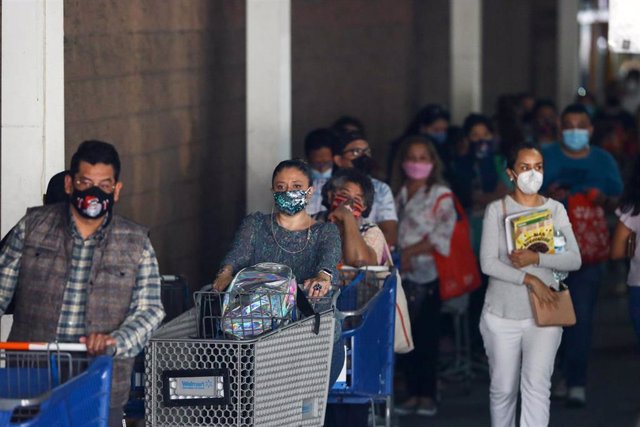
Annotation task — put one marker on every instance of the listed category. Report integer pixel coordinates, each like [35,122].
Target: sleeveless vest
[44,273]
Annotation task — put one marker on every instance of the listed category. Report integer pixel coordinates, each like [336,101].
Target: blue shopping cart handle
[356,280]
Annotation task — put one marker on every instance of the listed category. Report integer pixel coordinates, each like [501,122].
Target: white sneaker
[427,408]
[576,397]
[427,411]
[406,408]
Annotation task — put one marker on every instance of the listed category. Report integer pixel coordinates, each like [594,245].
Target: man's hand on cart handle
[98,344]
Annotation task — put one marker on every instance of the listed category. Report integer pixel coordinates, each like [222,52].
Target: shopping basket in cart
[53,385]
[277,378]
[367,303]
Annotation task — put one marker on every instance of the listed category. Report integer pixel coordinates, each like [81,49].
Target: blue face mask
[315,175]
[439,137]
[291,202]
[483,148]
[575,139]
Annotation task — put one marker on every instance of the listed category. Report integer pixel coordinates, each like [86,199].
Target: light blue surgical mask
[575,139]
[439,137]
[315,175]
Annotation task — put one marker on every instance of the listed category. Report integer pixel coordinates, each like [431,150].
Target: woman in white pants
[521,354]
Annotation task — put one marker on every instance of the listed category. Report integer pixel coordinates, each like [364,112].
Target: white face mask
[529,182]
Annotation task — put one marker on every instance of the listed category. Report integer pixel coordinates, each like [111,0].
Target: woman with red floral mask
[348,197]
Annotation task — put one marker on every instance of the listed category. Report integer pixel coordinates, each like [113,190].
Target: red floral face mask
[351,204]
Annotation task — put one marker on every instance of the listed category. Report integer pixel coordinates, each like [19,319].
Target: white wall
[268,96]
[32,103]
[466,58]
[568,67]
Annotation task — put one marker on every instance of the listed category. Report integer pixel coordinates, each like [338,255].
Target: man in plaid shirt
[78,272]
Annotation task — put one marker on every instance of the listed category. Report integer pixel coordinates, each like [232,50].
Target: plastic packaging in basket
[259,299]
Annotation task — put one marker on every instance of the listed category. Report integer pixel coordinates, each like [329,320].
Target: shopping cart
[174,292]
[367,303]
[53,385]
[198,374]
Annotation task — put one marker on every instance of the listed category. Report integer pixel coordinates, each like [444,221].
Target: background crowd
[589,149]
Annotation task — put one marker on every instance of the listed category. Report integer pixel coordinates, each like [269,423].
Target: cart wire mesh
[241,314]
[28,377]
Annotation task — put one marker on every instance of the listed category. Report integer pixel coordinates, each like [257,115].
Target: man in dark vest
[81,273]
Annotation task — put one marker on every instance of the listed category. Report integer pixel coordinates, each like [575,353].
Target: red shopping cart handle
[42,346]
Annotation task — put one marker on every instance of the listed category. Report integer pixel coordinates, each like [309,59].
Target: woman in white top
[629,222]
[521,354]
[427,217]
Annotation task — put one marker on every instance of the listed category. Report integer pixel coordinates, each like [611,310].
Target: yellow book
[533,230]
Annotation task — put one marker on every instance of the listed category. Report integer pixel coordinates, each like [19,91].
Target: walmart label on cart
[198,387]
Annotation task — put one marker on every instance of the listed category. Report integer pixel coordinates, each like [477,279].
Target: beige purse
[562,314]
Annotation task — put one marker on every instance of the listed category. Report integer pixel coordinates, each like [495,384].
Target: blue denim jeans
[634,309]
[576,340]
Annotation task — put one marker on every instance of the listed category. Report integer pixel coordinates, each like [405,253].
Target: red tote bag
[458,273]
[590,228]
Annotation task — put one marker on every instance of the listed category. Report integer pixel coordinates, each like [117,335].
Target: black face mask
[364,164]
[92,203]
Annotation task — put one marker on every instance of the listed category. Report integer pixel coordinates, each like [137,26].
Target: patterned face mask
[92,203]
[291,202]
[353,205]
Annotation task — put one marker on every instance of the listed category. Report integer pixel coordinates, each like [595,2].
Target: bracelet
[529,287]
[326,272]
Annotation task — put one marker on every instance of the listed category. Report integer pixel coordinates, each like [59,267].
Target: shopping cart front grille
[232,361]
[278,379]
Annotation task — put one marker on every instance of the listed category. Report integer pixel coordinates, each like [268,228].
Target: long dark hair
[630,200]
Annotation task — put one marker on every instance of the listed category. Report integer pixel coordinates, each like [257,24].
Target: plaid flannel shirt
[145,310]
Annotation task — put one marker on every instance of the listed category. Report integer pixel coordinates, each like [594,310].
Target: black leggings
[421,365]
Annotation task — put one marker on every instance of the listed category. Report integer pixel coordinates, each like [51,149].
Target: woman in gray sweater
[521,353]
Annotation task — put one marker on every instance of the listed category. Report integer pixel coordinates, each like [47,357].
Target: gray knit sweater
[507,296]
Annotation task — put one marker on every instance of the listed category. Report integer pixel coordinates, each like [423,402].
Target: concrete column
[568,66]
[466,58]
[32,103]
[268,95]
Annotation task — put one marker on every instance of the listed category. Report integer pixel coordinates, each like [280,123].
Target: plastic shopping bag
[260,298]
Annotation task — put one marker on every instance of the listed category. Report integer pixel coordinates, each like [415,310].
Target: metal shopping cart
[53,385]
[174,291]
[198,374]
[367,303]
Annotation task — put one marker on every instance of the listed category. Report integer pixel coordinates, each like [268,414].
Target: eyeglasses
[357,152]
[85,184]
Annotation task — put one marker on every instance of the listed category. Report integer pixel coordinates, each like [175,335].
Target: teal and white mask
[291,202]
